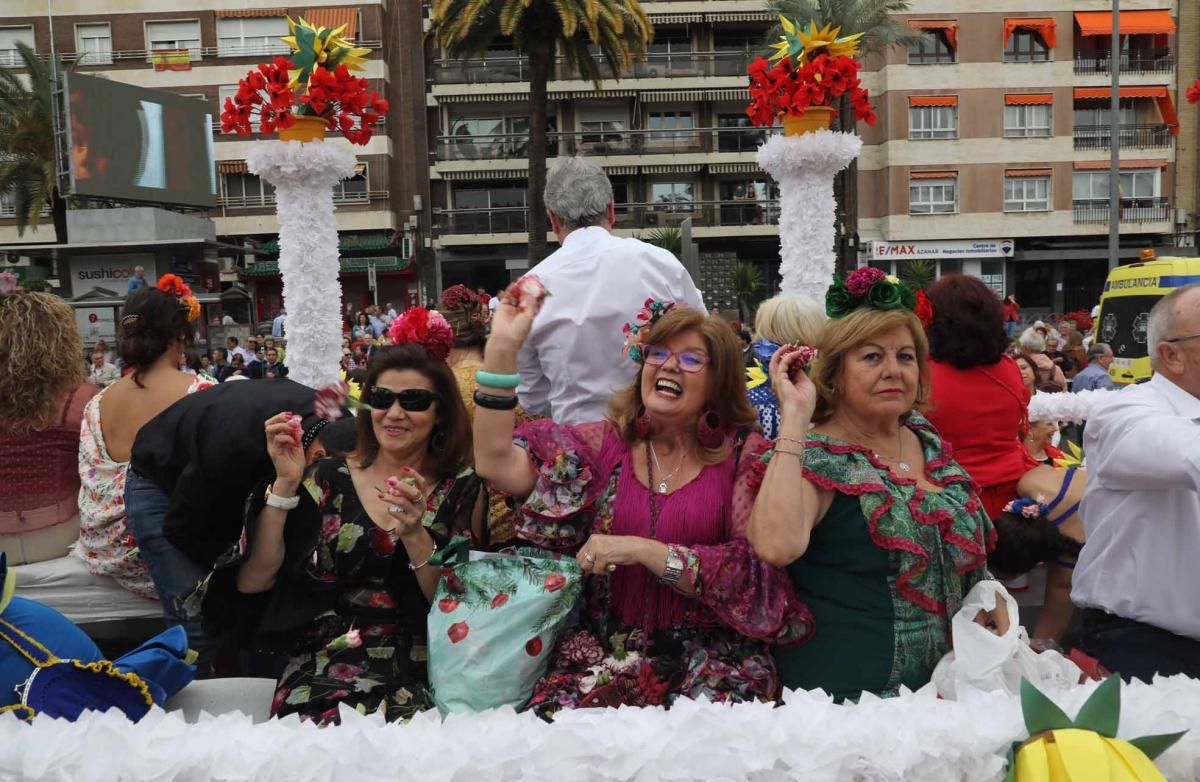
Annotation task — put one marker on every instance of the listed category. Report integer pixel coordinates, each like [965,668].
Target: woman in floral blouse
[653,502]
[333,567]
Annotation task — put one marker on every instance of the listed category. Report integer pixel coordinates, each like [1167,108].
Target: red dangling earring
[710,430]
[641,423]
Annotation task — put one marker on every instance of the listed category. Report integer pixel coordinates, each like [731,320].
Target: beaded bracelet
[414,568]
[799,442]
[797,454]
[494,401]
[496,380]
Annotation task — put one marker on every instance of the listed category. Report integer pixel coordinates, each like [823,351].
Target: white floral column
[304,175]
[804,166]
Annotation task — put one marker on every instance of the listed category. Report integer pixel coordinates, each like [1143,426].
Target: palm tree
[667,237]
[28,172]
[618,29]
[747,280]
[880,32]
[918,273]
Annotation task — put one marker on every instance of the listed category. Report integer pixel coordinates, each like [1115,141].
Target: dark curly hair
[968,322]
[151,321]
[1022,543]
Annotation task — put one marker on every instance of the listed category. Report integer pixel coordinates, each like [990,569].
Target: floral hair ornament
[637,332]
[174,285]
[867,287]
[423,327]
[1027,507]
[924,309]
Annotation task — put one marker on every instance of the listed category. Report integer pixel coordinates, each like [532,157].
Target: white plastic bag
[983,660]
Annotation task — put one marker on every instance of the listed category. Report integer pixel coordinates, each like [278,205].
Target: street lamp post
[1114,166]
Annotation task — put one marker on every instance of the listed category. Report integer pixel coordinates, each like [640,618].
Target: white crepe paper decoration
[804,166]
[1068,407]
[914,737]
[304,175]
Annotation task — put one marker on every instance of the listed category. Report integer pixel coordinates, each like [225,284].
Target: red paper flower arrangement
[783,90]
[343,100]
[1193,92]
[425,328]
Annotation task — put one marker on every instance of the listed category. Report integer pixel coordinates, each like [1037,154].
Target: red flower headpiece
[459,297]
[924,309]
[175,286]
[423,327]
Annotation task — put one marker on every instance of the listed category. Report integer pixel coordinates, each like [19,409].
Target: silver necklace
[662,484]
[902,465]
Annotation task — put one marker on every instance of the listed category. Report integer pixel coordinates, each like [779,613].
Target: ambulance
[1129,294]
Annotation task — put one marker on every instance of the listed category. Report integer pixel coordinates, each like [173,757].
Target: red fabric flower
[1193,92]
[423,327]
[458,297]
[861,280]
[924,309]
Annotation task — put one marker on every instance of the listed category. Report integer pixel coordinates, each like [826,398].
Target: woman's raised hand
[284,448]
[519,305]
[793,388]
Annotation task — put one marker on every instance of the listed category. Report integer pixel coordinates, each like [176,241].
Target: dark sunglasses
[413,400]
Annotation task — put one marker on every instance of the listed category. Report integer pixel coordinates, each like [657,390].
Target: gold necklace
[898,461]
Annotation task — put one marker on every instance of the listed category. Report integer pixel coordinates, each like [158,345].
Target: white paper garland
[1068,407]
[804,167]
[304,175]
[915,737]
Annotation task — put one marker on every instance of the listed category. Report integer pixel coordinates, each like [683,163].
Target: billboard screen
[135,144]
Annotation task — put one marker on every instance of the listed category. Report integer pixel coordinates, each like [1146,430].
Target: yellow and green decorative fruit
[1085,749]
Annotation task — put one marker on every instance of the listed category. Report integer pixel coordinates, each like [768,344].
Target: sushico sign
[949,249]
[111,272]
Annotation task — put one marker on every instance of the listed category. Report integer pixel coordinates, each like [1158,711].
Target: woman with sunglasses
[652,502]
[336,573]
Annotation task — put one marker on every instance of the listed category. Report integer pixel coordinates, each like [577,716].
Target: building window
[225,91]
[492,209]
[9,38]
[1027,121]
[932,122]
[672,196]
[355,188]
[738,134]
[749,202]
[251,37]
[930,47]
[1026,46]
[933,196]
[1137,183]
[670,54]
[992,274]
[660,123]
[247,190]
[93,43]
[1099,118]
[174,35]
[1027,194]
[486,138]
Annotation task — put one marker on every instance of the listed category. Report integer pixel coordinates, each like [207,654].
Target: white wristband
[283,503]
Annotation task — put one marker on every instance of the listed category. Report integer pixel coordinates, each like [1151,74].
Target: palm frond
[874,19]
[28,172]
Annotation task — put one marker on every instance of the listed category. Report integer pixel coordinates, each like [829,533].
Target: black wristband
[495,401]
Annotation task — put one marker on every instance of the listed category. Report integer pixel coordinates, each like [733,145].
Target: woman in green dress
[880,529]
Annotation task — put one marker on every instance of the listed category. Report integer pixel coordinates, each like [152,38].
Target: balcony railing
[268,199]
[515,146]
[1133,210]
[11,58]
[1130,136]
[514,69]
[1133,61]
[507,220]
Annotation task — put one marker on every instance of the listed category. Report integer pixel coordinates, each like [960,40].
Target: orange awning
[947,26]
[231,166]
[1166,107]
[932,100]
[1029,99]
[250,13]
[334,18]
[933,175]
[1043,26]
[1132,22]
[1100,165]
[1028,172]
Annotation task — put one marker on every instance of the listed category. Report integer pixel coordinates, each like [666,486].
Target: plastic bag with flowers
[494,620]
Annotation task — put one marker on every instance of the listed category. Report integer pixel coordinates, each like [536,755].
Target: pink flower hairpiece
[423,327]
[637,332]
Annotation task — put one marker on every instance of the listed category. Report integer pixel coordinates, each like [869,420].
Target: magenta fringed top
[586,483]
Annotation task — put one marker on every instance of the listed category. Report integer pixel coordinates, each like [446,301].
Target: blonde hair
[789,319]
[843,335]
[41,354]
[726,378]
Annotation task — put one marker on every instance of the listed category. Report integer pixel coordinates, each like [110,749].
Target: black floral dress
[346,609]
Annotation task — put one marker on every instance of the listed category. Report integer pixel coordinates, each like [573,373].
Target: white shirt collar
[592,233]
[1183,402]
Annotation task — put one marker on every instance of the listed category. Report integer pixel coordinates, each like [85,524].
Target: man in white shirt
[572,361]
[279,324]
[103,374]
[1137,576]
[231,345]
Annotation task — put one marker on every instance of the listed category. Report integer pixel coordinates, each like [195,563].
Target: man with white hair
[572,361]
[138,280]
[1137,577]
[1095,374]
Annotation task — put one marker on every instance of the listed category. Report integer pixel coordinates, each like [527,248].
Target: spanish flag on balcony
[171,59]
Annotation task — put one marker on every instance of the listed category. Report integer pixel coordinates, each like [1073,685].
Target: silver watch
[674,568]
[283,503]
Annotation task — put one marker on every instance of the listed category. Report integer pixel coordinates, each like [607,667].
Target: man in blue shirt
[138,280]
[279,324]
[1095,375]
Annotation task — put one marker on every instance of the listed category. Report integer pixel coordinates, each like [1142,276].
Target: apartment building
[992,151]
[201,48]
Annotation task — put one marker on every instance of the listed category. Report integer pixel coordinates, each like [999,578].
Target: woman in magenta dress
[653,502]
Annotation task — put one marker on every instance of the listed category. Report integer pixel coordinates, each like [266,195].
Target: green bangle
[494,380]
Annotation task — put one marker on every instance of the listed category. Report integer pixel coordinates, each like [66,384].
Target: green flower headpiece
[867,287]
